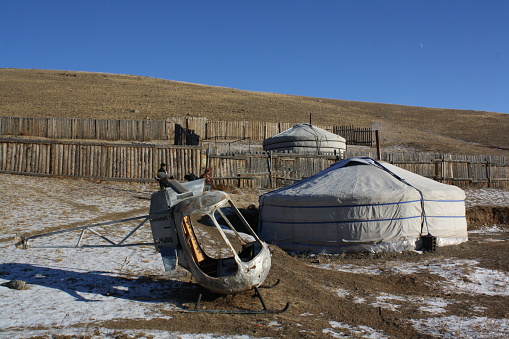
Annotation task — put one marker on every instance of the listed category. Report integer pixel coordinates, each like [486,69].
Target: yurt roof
[361,180]
[302,132]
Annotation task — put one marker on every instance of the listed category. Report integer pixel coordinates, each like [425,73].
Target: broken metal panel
[181,191]
[164,235]
[228,275]
[166,241]
[159,203]
[163,199]
[169,255]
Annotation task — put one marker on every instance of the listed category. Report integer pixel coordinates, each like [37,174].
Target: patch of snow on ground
[394,302]
[101,333]
[463,327]
[72,286]
[350,268]
[274,324]
[56,203]
[429,305]
[489,230]
[342,293]
[461,276]
[357,331]
[486,197]
[464,276]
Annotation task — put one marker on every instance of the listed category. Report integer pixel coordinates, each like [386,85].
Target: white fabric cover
[305,138]
[357,205]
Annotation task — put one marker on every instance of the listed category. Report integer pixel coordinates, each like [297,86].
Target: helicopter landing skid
[270,286]
[257,295]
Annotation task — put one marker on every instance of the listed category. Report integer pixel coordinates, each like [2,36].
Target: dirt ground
[308,289]
[320,294]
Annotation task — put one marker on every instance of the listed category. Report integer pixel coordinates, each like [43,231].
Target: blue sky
[445,54]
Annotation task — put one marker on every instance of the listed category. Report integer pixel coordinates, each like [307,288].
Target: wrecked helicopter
[202,232]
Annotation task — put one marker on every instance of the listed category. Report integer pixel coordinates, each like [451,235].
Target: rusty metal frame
[23,242]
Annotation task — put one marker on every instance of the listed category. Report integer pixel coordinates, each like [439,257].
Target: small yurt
[361,205]
[306,138]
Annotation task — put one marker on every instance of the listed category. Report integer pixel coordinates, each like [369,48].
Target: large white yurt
[306,138]
[361,205]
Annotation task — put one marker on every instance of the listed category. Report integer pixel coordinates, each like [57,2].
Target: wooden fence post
[269,167]
[443,168]
[378,157]
[207,157]
[488,170]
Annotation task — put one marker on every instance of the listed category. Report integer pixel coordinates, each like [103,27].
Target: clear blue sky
[446,54]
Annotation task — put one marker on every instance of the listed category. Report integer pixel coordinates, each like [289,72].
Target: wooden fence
[458,170]
[265,169]
[139,162]
[60,128]
[262,170]
[135,162]
[170,129]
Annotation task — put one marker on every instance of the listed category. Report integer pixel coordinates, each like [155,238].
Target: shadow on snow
[80,283]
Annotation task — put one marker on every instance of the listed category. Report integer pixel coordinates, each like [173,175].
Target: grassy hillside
[48,93]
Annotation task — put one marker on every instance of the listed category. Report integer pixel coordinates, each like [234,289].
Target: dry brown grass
[48,93]
[485,216]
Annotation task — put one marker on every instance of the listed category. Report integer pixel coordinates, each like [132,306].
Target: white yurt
[306,138]
[361,205]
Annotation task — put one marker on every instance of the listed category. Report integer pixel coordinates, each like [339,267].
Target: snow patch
[489,230]
[486,197]
[460,276]
[462,327]
[359,331]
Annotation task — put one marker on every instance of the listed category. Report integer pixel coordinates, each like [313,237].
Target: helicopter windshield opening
[219,239]
[219,235]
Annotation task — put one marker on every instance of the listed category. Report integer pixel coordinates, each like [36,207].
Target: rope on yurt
[318,138]
[424,220]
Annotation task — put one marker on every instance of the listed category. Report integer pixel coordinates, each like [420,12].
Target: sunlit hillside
[49,93]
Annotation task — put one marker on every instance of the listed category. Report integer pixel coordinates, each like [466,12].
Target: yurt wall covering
[361,205]
[305,138]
